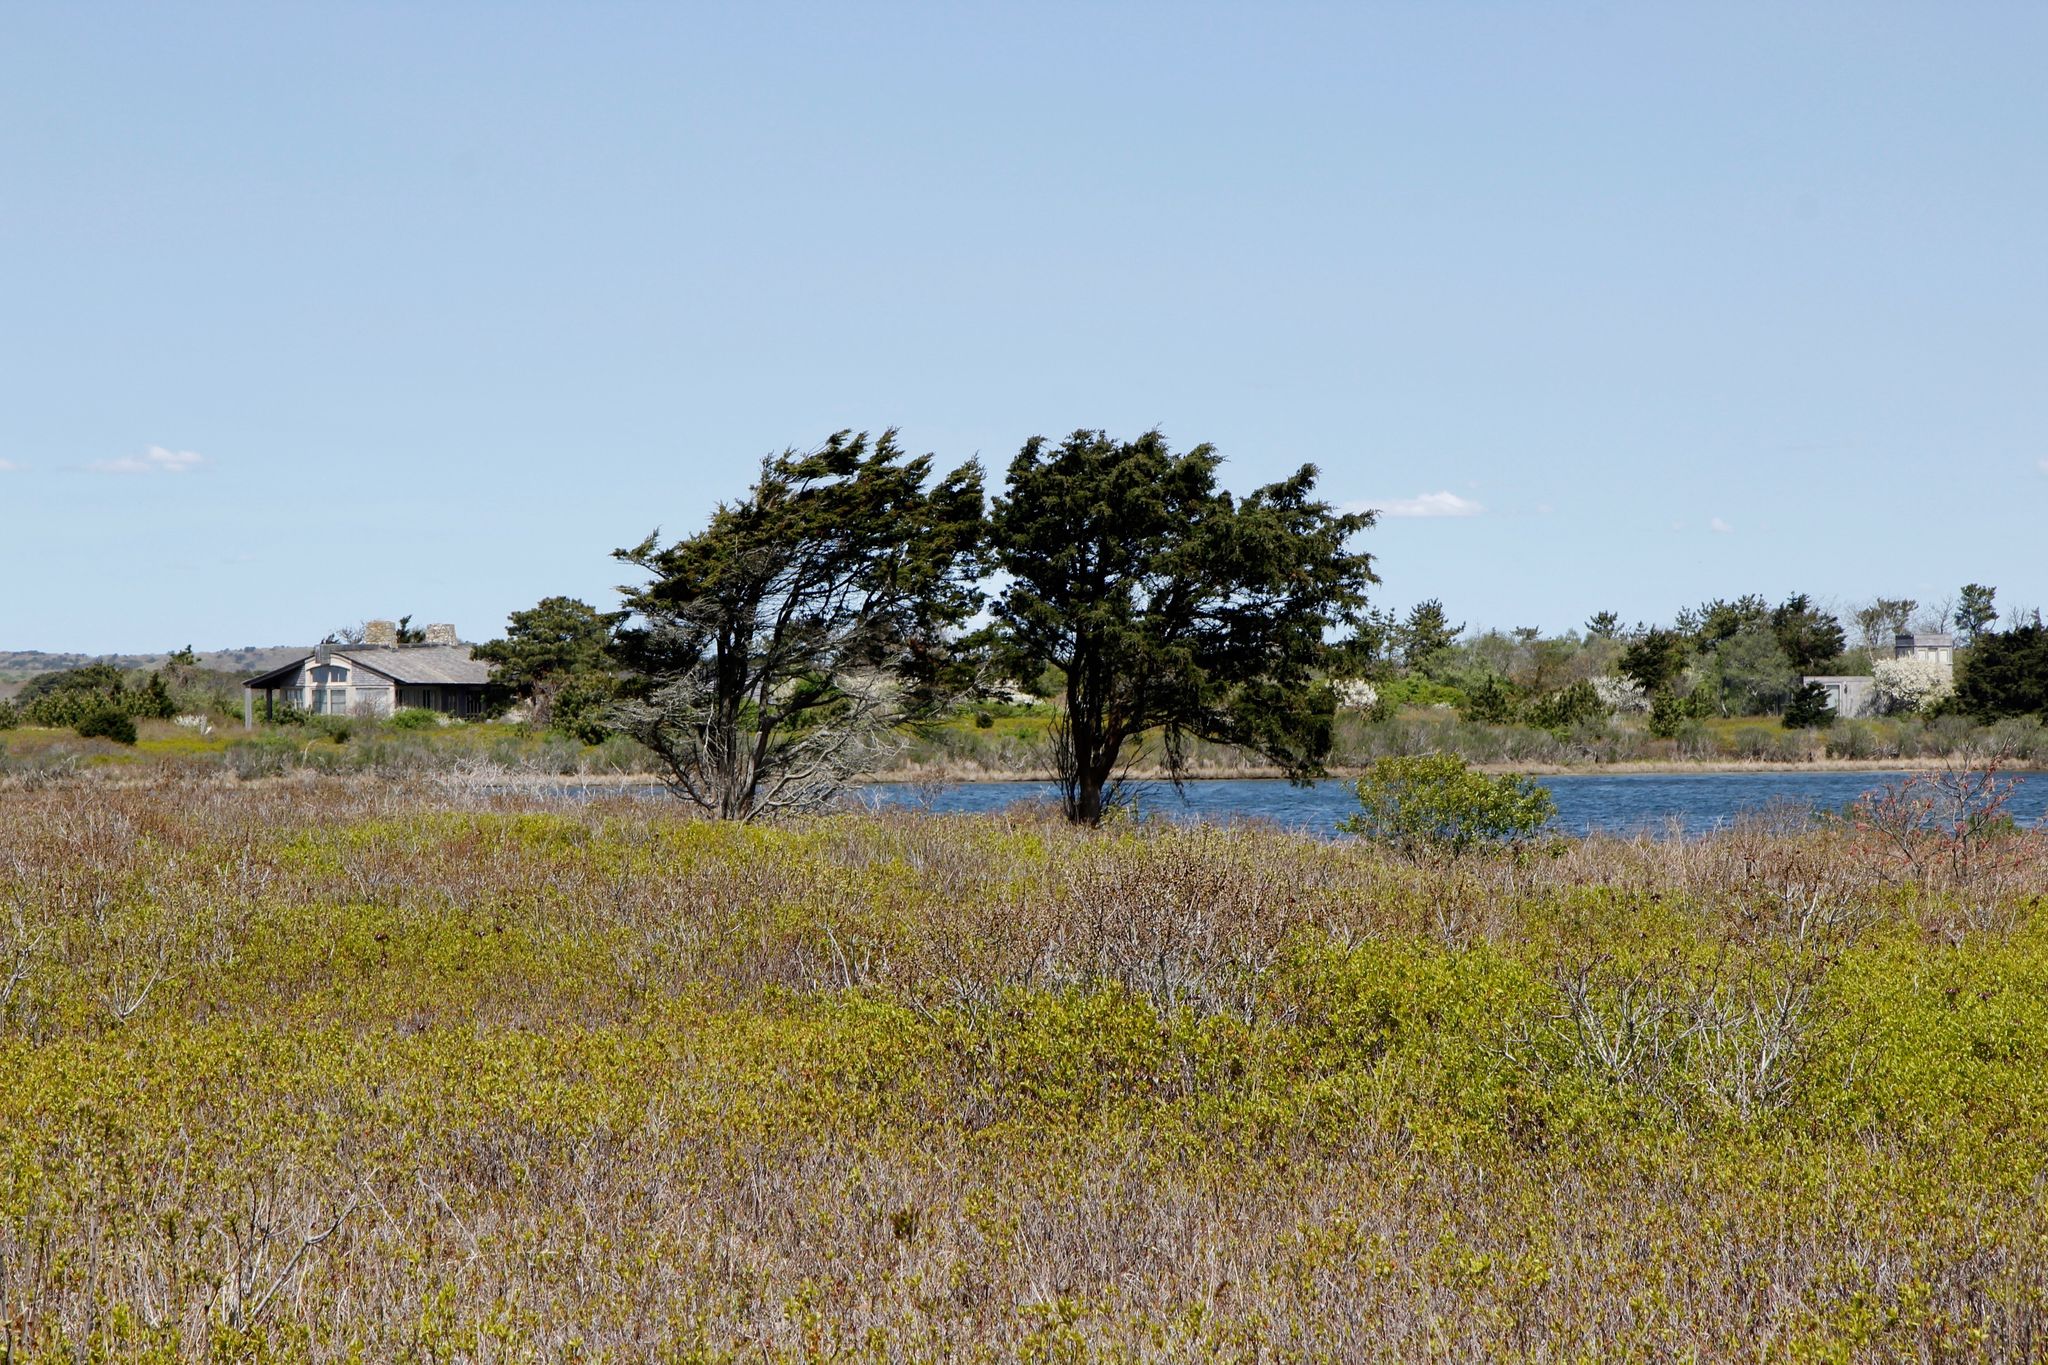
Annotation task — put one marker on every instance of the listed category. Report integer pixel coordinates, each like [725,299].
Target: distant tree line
[1742,656]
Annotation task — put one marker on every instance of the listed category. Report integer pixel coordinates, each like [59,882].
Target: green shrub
[1668,715]
[583,707]
[1567,709]
[1492,702]
[337,728]
[1435,808]
[10,715]
[415,718]
[106,722]
[1853,740]
[1414,690]
[1809,709]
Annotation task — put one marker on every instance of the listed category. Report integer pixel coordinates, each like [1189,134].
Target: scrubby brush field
[322,1070]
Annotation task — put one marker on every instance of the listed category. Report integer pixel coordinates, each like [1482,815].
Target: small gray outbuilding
[376,677]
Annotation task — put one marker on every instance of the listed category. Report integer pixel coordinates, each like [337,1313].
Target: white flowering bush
[1356,694]
[199,723]
[1621,695]
[1910,684]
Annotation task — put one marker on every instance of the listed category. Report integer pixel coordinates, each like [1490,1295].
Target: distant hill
[17,666]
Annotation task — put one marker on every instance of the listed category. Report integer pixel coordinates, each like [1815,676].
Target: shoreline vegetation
[337,1068]
[1014,749]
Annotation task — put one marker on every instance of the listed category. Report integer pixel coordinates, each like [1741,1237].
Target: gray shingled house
[376,677]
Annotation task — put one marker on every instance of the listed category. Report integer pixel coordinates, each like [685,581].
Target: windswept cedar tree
[776,653]
[1169,606]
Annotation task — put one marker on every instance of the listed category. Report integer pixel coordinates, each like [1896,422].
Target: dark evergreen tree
[1809,709]
[558,648]
[1169,607]
[1426,632]
[1492,701]
[1656,660]
[1975,611]
[773,654]
[2006,674]
[1809,636]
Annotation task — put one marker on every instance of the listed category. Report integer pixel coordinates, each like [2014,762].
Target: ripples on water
[1654,803]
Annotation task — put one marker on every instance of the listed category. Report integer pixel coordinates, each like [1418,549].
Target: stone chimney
[441,633]
[380,632]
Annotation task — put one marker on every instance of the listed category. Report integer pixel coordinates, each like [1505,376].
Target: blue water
[1693,803]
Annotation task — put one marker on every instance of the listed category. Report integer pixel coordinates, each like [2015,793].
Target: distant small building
[1849,694]
[1939,649]
[376,677]
[1854,695]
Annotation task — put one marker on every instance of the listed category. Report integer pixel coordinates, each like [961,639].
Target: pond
[1626,804]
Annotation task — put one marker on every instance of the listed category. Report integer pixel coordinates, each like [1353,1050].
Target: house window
[330,673]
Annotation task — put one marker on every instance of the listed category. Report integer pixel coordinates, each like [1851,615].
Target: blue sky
[315,313]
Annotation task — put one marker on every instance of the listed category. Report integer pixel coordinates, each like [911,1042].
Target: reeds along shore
[329,1069]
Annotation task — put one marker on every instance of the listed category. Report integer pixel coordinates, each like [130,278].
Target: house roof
[406,665]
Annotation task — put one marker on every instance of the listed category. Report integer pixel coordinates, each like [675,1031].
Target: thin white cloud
[1718,526]
[9,467]
[2043,464]
[1444,504]
[155,460]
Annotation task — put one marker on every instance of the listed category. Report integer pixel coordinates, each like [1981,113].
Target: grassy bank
[321,1069]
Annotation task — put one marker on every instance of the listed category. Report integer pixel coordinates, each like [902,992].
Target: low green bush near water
[1434,807]
[337,1069]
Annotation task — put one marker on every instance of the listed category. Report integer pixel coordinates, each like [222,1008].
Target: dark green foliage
[64,699]
[104,679]
[1809,709]
[1434,808]
[1656,661]
[1170,606]
[1491,702]
[773,653]
[583,707]
[561,645]
[10,715]
[1567,708]
[1426,632]
[1809,636]
[152,699]
[1604,625]
[1712,622]
[2005,674]
[1669,713]
[106,722]
[1805,633]
[414,718]
[1748,674]
[1976,610]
